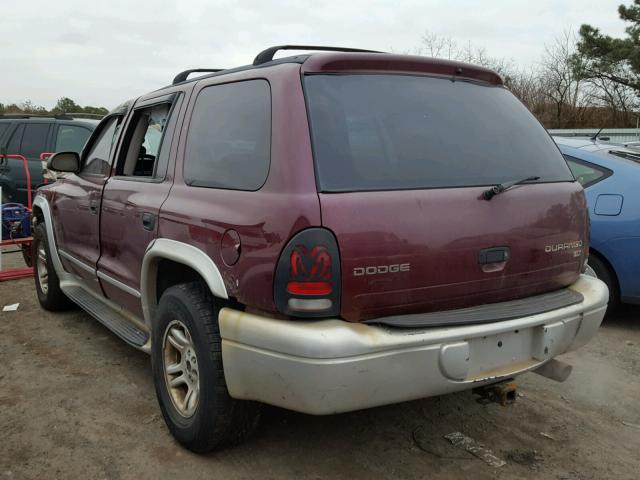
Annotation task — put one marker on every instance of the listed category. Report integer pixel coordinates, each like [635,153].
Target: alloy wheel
[180,366]
[42,269]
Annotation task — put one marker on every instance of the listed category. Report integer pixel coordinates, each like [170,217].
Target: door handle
[93,206]
[148,221]
[494,255]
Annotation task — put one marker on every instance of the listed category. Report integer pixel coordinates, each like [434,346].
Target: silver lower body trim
[78,263]
[118,284]
[332,366]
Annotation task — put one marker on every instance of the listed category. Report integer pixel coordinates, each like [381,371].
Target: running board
[107,315]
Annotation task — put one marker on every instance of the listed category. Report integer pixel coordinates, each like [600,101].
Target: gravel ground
[76,402]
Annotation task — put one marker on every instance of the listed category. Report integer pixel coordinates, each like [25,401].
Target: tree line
[64,105]
[588,80]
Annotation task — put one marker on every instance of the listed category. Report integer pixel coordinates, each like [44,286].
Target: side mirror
[64,162]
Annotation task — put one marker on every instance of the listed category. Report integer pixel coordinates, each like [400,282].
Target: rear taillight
[307,282]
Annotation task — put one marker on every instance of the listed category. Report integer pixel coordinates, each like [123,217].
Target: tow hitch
[504,393]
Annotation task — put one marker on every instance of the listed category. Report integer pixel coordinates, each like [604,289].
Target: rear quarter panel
[264,219]
[617,237]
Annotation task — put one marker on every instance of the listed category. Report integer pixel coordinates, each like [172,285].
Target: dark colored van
[31,136]
[323,232]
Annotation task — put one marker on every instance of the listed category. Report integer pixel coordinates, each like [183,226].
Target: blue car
[610,175]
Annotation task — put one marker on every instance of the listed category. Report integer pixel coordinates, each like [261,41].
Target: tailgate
[419,250]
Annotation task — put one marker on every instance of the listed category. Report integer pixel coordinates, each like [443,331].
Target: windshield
[390,132]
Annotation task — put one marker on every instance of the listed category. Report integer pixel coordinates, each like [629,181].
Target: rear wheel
[48,289]
[188,374]
[604,273]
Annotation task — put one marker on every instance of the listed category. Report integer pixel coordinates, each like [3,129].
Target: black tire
[218,420]
[604,273]
[53,299]
[27,254]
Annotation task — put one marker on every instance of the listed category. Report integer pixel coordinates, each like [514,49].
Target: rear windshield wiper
[501,187]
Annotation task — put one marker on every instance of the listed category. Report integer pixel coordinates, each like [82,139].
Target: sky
[101,53]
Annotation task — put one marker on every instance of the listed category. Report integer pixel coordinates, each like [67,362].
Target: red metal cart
[23,238]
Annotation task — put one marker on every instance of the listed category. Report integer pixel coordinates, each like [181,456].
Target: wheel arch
[163,253]
[42,212]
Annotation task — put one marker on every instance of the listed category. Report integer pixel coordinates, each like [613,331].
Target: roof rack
[70,115]
[182,76]
[267,55]
[59,116]
[24,115]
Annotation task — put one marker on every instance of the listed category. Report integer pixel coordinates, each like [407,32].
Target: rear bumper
[331,366]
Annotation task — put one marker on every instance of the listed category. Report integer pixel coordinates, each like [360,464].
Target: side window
[97,160]
[34,141]
[71,138]
[229,140]
[586,173]
[144,136]
[13,146]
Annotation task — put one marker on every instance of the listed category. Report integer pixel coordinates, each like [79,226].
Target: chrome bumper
[330,366]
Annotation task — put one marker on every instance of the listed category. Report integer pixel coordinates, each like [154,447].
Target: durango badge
[563,246]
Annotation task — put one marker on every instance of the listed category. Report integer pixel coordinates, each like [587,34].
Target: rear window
[71,138]
[391,132]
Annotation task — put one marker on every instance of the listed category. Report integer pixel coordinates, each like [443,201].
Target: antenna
[595,137]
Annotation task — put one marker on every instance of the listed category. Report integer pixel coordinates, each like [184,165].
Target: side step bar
[110,318]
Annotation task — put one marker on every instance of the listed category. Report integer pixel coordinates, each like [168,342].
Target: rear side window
[13,146]
[71,138]
[34,141]
[391,132]
[229,139]
[586,173]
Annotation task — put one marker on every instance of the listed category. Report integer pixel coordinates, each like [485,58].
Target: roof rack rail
[24,115]
[267,55]
[71,115]
[182,76]
[59,116]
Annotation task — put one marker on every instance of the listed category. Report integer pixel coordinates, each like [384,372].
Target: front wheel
[48,289]
[188,375]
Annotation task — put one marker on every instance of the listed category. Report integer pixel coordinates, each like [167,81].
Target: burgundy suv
[323,232]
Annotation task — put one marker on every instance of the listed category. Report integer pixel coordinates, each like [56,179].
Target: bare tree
[554,89]
[559,81]
[433,45]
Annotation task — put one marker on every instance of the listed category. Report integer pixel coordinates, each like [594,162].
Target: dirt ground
[76,402]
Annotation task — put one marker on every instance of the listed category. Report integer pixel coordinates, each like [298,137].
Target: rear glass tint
[34,141]
[229,139]
[71,138]
[391,132]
